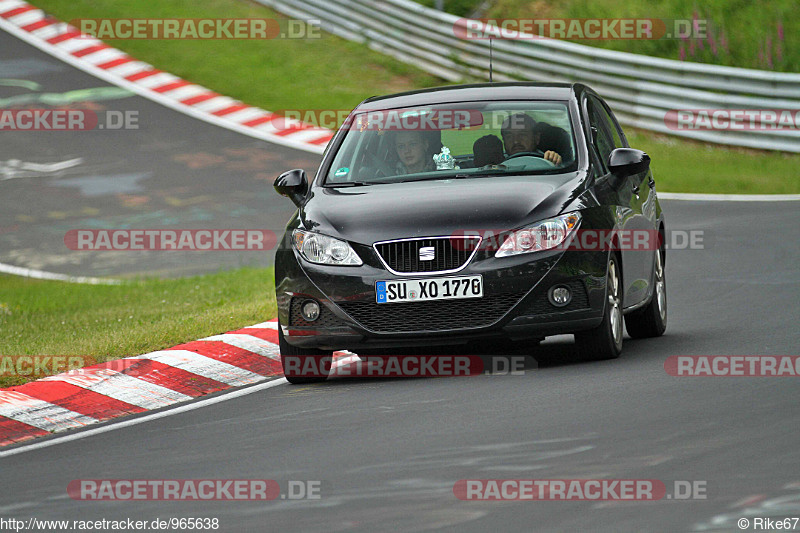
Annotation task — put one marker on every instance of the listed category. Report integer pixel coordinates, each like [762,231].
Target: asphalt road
[172,172]
[388,452]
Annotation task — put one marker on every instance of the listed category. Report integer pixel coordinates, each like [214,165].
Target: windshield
[474,139]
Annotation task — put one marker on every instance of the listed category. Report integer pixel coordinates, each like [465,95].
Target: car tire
[651,321]
[605,341]
[298,356]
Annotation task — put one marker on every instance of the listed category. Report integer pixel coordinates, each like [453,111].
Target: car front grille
[437,315]
[449,253]
[541,304]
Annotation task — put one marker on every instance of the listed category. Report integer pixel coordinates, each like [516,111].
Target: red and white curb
[114,66]
[86,396]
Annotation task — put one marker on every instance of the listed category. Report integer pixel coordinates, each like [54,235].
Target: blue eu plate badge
[380,287]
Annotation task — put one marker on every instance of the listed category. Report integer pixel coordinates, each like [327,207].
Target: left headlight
[324,250]
[543,235]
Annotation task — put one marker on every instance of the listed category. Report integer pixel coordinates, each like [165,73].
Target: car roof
[479,92]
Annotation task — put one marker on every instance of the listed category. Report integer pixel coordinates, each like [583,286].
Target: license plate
[423,290]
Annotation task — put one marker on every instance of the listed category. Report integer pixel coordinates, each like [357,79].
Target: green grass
[686,166]
[105,322]
[740,33]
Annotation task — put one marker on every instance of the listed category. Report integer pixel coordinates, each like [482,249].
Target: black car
[506,211]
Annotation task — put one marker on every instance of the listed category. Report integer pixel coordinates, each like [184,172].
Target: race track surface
[388,452]
[172,172]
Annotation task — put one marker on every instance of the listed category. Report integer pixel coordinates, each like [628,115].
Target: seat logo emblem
[427,253]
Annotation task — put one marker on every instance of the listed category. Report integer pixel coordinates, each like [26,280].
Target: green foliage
[740,33]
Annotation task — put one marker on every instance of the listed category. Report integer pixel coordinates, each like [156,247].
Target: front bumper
[515,305]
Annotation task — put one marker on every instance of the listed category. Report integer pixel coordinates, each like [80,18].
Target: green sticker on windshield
[344,171]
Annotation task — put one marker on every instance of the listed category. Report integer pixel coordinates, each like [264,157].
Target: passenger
[488,150]
[518,137]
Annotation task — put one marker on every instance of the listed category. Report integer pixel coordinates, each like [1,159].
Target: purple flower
[682,52]
[713,44]
[780,31]
[768,50]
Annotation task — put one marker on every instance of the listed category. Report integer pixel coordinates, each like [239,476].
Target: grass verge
[760,35]
[103,322]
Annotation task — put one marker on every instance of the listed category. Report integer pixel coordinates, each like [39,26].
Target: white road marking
[41,274]
[146,418]
[701,197]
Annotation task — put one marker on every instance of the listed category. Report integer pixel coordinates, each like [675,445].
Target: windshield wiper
[349,184]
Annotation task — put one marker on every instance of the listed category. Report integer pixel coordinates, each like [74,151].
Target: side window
[603,139]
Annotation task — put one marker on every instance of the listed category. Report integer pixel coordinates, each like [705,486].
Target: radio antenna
[490,60]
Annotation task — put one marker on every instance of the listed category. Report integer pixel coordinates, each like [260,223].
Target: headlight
[324,250]
[541,236]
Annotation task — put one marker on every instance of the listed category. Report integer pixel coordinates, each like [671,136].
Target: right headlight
[543,235]
[324,250]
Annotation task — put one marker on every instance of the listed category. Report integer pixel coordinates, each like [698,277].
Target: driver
[519,137]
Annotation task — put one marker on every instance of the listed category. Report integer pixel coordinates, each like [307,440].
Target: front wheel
[651,321]
[605,341]
[303,365]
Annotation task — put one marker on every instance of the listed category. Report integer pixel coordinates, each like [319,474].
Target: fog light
[560,295]
[310,310]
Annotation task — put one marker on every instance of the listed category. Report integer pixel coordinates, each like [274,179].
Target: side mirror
[624,162]
[292,184]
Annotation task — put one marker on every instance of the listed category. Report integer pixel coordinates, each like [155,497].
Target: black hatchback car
[494,211]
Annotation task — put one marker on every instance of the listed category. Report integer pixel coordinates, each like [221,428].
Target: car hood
[437,207]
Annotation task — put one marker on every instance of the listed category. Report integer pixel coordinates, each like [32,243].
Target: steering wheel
[530,154]
[381,167]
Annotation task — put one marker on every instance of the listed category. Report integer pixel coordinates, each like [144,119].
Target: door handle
[652,183]
[635,190]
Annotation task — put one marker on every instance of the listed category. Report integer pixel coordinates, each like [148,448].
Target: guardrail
[640,89]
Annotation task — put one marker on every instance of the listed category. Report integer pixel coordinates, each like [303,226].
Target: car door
[630,201]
